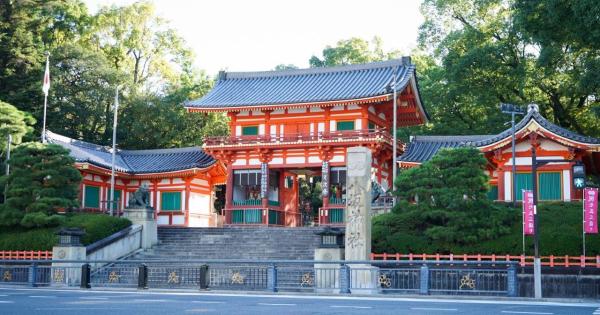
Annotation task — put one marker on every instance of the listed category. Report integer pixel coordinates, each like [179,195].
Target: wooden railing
[300,137]
[549,261]
[25,254]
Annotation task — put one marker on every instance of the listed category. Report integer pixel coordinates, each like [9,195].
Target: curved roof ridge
[79,143]
[317,70]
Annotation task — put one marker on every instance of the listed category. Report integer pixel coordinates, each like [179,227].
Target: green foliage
[90,55]
[445,198]
[352,51]
[311,193]
[486,52]
[97,227]
[560,226]
[13,122]
[42,180]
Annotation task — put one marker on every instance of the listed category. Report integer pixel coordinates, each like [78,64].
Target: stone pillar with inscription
[363,277]
[69,248]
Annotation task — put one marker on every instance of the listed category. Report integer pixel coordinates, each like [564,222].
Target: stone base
[327,276]
[67,274]
[364,279]
[145,218]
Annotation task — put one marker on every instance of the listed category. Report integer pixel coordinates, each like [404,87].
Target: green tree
[42,180]
[285,67]
[15,123]
[352,51]
[446,199]
[487,52]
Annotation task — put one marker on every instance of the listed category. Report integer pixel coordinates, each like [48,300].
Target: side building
[551,142]
[181,181]
[297,124]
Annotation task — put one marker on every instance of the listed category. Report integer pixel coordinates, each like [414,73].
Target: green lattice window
[170,201]
[249,130]
[549,186]
[249,216]
[92,197]
[344,125]
[493,192]
[336,215]
[372,125]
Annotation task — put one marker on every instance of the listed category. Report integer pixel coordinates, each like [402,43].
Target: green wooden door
[170,201]
[522,181]
[493,192]
[92,197]
[550,186]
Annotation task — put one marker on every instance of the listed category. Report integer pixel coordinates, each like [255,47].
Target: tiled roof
[235,89]
[423,148]
[134,161]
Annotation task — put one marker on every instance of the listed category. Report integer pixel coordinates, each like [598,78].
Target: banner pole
[583,227]
[523,226]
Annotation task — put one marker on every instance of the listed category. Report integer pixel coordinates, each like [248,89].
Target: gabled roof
[314,85]
[423,148]
[134,161]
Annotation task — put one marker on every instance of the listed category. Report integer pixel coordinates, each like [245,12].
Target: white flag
[46,85]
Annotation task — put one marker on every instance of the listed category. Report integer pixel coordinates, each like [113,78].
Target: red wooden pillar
[228,194]
[155,197]
[188,182]
[500,175]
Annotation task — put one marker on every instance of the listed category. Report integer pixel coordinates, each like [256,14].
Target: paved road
[48,301]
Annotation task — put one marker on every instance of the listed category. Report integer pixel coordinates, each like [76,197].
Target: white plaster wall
[244,113]
[381,115]
[199,181]
[164,181]
[332,125]
[321,127]
[507,186]
[527,160]
[358,124]
[257,113]
[238,130]
[316,109]
[253,162]
[277,160]
[566,186]
[162,220]
[314,159]
[295,160]
[337,108]
[240,162]
[372,109]
[178,181]
[337,158]
[273,130]
[278,112]
[353,106]
[261,129]
[178,219]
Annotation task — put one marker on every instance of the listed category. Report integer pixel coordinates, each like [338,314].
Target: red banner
[590,210]
[528,218]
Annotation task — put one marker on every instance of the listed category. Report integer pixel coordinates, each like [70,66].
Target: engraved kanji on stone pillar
[358,204]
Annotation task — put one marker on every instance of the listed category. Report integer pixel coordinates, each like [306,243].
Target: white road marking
[42,296]
[6,302]
[434,309]
[523,312]
[150,300]
[277,304]
[92,298]
[76,308]
[307,297]
[208,302]
[3,294]
[350,306]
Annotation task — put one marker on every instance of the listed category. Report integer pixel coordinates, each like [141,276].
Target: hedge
[96,226]
[560,226]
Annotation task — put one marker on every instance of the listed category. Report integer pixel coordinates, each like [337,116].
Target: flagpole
[8,142]
[114,151]
[45,88]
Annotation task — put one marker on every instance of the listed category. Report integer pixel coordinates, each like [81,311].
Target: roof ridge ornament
[533,107]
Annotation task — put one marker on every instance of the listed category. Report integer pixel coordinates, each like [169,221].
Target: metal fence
[373,277]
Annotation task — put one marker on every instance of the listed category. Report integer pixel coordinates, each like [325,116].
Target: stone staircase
[265,243]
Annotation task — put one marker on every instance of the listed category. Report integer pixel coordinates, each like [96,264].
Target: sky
[257,35]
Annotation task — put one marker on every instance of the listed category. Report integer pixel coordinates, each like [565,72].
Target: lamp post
[395,136]
[513,110]
[8,142]
[114,151]
[537,265]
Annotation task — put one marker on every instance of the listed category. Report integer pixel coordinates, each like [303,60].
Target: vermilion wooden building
[180,181]
[291,123]
[549,140]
